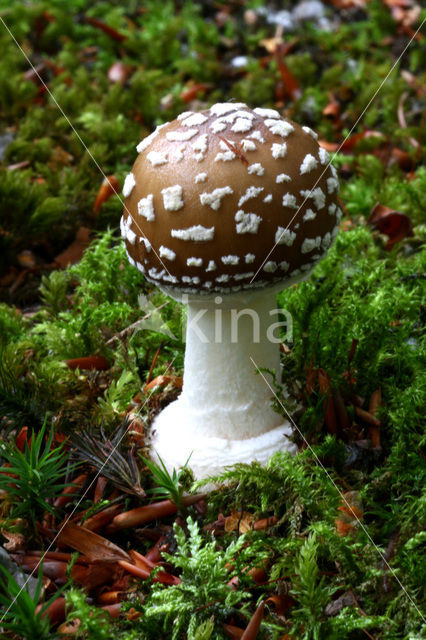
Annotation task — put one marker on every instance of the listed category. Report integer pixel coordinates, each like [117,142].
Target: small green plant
[311,592]
[94,622]
[37,474]
[170,485]
[18,612]
[111,458]
[205,572]
[118,395]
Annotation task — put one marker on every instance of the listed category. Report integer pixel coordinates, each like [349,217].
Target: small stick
[130,328]
[235,150]
[154,360]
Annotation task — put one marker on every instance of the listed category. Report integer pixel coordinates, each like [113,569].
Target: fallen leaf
[290,83]
[149,512]
[109,187]
[132,614]
[59,158]
[375,401]
[332,109]
[349,143]
[394,224]
[341,411]
[26,259]
[68,493]
[253,626]
[102,518]
[281,603]
[237,521]
[142,568]
[114,610]
[265,523]
[162,381]
[233,632]
[32,558]
[155,553]
[55,611]
[101,483]
[21,438]
[69,628]
[367,417]
[111,597]
[98,363]
[351,512]
[193,91]
[74,252]
[331,147]
[15,541]
[258,574]
[110,31]
[89,576]
[276,43]
[90,544]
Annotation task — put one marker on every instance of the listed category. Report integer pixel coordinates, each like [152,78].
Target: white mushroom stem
[224,414]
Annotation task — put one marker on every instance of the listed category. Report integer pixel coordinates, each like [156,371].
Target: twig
[402,121]
[130,328]
[154,360]
[362,612]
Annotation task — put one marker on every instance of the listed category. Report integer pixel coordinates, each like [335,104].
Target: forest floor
[326,545]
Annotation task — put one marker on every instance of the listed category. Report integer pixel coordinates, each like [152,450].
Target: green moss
[360,292]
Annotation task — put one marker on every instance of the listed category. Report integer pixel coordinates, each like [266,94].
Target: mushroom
[225,207]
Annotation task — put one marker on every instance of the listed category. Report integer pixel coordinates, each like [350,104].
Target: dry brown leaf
[394,224]
[193,90]
[332,109]
[110,31]
[74,252]
[108,188]
[253,626]
[59,158]
[233,632]
[238,521]
[149,512]
[162,381]
[15,541]
[351,512]
[281,603]
[90,544]
[98,363]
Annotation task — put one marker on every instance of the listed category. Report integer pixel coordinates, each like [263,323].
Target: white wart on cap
[212,192]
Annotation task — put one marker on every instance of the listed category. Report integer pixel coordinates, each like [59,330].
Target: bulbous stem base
[224,414]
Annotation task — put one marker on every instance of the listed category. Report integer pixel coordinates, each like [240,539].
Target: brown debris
[351,512]
[98,363]
[108,188]
[394,224]
[74,252]
[92,545]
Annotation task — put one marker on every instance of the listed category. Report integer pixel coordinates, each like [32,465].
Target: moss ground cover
[331,540]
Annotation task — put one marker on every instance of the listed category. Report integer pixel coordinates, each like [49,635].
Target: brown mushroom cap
[212,193]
